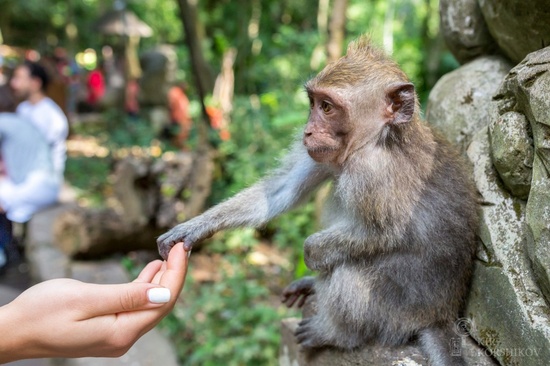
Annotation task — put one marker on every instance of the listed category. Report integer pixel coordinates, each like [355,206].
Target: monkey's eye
[311,103]
[326,106]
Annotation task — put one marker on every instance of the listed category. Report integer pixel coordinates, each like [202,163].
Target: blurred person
[178,105]
[69,318]
[2,76]
[28,181]
[67,71]
[131,104]
[96,86]
[29,82]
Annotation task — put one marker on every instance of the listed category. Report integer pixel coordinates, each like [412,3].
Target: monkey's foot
[298,291]
[308,335]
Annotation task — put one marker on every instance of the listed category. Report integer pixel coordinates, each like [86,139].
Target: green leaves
[231,322]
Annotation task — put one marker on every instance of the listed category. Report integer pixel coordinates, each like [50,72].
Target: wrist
[11,343]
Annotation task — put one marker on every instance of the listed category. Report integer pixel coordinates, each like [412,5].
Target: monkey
[395,255]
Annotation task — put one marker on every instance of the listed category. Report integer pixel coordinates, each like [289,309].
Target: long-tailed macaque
[395,256]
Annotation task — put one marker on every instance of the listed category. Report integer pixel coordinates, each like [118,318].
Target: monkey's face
[327,129]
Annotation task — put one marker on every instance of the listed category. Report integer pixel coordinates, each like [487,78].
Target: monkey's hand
[190,233]
[298,290]
[316,256]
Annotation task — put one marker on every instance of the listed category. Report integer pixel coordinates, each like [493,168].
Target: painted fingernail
[159,295]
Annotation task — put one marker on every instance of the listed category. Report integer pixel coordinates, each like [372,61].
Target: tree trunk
[242,44]
[204,79]
[149,196]
[203,167]
[86,233]
[337,28]
[318,54]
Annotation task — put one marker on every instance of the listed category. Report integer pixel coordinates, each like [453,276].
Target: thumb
[132,296]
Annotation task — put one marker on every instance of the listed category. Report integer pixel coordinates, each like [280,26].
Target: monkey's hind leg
[442,346]
[342,318]
[320,331]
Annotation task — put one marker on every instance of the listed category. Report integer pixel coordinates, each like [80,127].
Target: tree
[337,29]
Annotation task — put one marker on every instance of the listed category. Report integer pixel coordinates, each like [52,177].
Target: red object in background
[179,107]
[178,104]
[96,86]
[217,122]
[131,98]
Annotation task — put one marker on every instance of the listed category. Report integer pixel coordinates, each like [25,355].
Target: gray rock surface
[407,355]
[46,261]
[534,82]
[464,29]
[506,309]
[524,95]
[159,66]
[518,26]
[512,151]
[458,103]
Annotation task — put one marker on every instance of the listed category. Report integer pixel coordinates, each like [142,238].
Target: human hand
[69,318]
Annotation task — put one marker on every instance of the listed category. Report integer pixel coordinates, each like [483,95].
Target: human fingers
[158,275]
[114,299]
[149,272]
[176,269]
[172,276]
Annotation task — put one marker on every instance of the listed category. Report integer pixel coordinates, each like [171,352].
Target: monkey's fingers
[302,301]
[290,299]
[303,330]
[187,245]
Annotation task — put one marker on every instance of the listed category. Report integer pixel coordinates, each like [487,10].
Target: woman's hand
[69,318]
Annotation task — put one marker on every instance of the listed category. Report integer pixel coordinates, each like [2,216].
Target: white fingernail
[159,295]
[188,254]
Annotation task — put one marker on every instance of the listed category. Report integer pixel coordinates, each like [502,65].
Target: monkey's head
[361,100]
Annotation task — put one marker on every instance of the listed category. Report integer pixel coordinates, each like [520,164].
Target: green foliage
[118,134]
[229,322]
[88,175]
[162,16]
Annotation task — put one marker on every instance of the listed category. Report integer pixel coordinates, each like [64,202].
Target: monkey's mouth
[321,150]
[320,154]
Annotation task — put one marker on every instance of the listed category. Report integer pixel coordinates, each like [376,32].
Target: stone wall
[496,106]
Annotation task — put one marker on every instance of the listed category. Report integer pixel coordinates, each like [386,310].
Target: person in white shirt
[28,181]
[30,81]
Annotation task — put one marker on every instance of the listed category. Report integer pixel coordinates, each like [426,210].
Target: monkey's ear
[400,99]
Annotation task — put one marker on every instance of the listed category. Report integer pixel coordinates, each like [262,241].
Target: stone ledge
[407,355]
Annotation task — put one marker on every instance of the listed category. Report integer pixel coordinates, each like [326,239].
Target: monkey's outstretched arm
[288,186]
